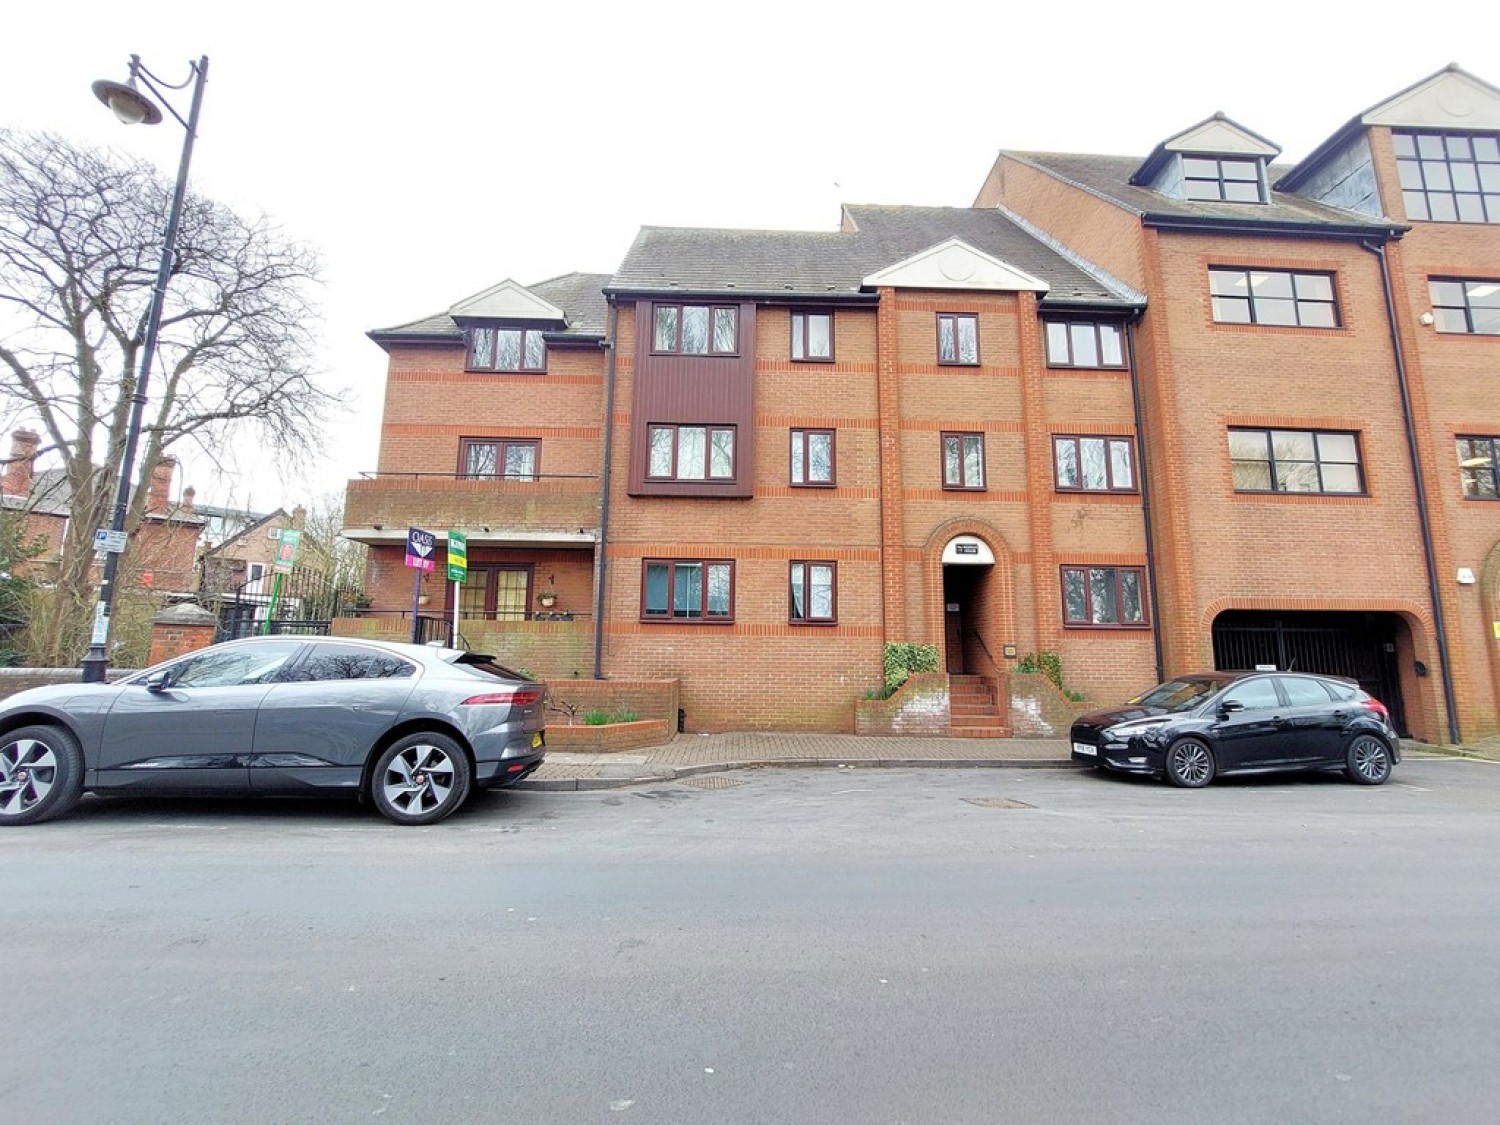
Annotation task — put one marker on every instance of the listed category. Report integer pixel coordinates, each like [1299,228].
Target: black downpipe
[609,436]
[1423,519]
[1140,475]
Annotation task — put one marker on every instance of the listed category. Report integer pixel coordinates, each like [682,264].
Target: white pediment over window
[1219,136]
[1451,99]
[954,264]
[507,301]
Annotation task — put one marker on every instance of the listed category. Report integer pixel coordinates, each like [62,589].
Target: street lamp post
[132,107]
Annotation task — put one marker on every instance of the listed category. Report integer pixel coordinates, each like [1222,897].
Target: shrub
[595,718]
[624,715]
[902,660]
[1048,664]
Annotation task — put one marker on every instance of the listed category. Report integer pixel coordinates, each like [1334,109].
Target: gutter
[609,441]
[1423,518]
[1203,224]
[1140,473]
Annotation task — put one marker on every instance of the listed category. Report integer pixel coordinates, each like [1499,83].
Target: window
[1449,177]
[813,593]
[687,590]
[963,461]
[260,662]
[1479,465]
[1471,307]
[254,572]
[958,338]
[691,453]
[1093,464]
[507,349]
[1221,178]
[812,336]
[1084,343]
[1303,692]
[1254,695]
[505,458]
[1104,595]
[351,662]
[812,457]
[1295,461]
[696,329]
[1273,297]
[498,593]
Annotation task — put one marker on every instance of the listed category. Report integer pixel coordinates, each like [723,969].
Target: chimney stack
[188,495]
[159,494]
[21,465]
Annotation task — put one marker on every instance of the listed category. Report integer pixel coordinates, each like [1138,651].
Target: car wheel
[420,779]
[1369,760]
[1190,763]
[41,774]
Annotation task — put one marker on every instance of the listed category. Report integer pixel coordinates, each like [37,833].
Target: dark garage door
[1361,646]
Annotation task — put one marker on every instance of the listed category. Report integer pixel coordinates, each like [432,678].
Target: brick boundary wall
[13,680]
[649,699]
[610,738]
[1038,709]
[919,707]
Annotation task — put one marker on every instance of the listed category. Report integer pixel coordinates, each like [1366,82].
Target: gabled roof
[836,265]
[52,495]
[1213,136]
[259,523]
[576,301]
[954,264]
[1109,178]
[1450,99]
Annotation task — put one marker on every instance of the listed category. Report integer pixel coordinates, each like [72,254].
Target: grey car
[413,729]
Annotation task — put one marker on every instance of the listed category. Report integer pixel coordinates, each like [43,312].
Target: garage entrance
[1361,646]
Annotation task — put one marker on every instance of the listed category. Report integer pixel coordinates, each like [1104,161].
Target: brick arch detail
[1001,621]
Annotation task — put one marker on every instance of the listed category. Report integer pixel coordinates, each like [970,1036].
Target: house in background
[1154,413]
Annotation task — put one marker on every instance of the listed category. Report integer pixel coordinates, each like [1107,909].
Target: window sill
[812,624]
[1132,627]
[686,621]
[813,484]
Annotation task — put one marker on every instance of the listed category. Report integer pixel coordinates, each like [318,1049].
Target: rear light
[1379,708]
[518,697]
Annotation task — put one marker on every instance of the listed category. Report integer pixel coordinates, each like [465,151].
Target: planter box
[611,738]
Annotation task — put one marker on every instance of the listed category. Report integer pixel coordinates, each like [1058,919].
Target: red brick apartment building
[1155,414]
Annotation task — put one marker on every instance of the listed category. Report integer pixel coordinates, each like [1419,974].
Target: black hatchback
[1196,727]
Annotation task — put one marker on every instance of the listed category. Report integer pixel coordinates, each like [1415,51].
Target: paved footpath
[689,754]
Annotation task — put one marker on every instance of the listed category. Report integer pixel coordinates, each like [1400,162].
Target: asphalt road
[819,946]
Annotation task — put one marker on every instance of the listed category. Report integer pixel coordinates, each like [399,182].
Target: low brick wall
[13,680]
[1038,709]
[919,707]
[649,699]
[610,738]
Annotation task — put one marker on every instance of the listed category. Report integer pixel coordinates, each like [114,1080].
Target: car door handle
[1341,715]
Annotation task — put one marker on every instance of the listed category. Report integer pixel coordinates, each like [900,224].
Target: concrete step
[980,732]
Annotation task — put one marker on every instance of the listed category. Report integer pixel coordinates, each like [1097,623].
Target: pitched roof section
[1108,178]
[1214,136]
[833,265]
[954,264]
[577,297]
[507,301]
[1450,99]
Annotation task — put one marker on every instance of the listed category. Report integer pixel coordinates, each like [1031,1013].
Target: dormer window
[507,349]
[1223,179]
[1449,177]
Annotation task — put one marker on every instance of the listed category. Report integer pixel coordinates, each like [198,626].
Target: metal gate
[1360,646]
[305,605]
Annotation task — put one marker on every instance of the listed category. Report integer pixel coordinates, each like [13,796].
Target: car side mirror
[1230,706]
[159,682]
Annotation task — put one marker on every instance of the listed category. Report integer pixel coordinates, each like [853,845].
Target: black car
[1197,727]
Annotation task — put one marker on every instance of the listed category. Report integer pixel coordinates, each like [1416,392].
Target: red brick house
[1153,413]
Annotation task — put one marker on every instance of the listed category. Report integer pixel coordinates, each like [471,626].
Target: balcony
[547,510]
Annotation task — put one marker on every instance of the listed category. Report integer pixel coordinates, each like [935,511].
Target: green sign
[286,551]
[458,556]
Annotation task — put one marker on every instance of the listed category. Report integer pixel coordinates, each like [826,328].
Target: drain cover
[713,782]
[998,803]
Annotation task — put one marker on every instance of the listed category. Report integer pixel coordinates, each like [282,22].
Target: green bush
[595,718]
[625,715]
[1048,664]
[902,660]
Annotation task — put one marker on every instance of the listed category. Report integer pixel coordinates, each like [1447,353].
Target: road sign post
[421,546]
[458,570]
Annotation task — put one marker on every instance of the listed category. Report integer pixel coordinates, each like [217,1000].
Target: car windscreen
[1177,695]
[486,667]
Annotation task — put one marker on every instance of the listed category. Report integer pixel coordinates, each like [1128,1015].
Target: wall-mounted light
[1426,319]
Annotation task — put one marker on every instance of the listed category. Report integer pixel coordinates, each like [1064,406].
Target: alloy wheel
[1191,764]
[28,770]
[1370,759]
[419,779]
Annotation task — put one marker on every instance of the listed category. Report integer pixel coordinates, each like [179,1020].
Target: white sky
[429,150]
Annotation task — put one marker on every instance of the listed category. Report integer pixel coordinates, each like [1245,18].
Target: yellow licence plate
[537,740]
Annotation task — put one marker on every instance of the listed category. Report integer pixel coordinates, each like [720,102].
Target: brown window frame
[1299,303]
[1116,572]
[1068,323]
[804,434]
[1481,174]
[951,325]
[712,310]
[1443,312]
[1220,180]
[1318,461]
[708,452]
[1470,467]
[470,365]
[1109,463]
[800,336]
[490,612]
[669,617]
[501,446]
[833,591]
[964,486]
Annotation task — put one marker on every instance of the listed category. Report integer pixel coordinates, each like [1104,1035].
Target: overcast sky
[430,150]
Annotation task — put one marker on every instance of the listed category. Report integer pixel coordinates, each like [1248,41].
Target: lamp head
[127,103]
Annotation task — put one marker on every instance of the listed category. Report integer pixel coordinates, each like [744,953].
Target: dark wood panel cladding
[693,390]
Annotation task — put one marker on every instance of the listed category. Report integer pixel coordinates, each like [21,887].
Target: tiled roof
[816,264]
[1109,178]
[579,295]
[52,495]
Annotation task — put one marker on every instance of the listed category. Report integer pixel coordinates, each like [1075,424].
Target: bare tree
[80,236]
